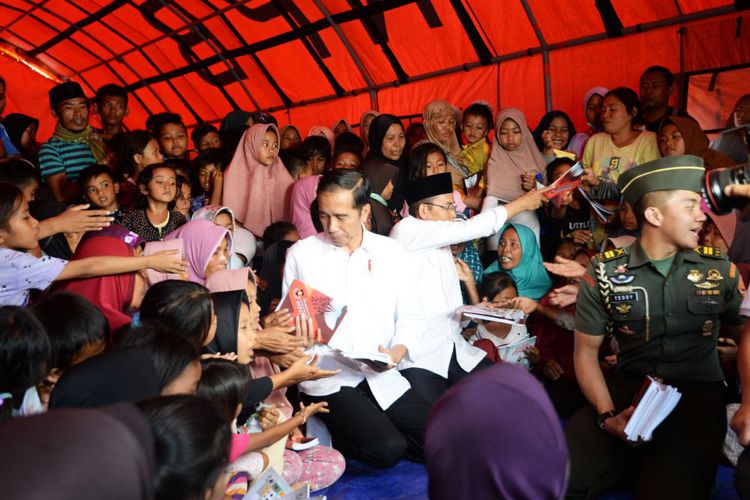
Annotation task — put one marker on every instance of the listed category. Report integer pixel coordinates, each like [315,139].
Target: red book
[307,302]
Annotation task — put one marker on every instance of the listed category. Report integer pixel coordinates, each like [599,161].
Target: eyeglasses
[451,207]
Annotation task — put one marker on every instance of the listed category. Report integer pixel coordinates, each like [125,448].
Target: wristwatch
[603,417]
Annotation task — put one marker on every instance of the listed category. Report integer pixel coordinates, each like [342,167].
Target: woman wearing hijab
[387,142]
[364,125]
[115,294]
[683,136]
[256,183]
[340,127]
[290,137]
[323,131]
[554,131]
[514,155]
[439,119]
[243,241]
[592,110]
[383,178]
[519,256]
[103,453]
[206,248]
[511,445]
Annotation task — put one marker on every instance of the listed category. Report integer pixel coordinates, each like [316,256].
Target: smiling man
[74,145]
[663,299]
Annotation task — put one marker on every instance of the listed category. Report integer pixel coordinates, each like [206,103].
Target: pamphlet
[271,486]
[368,363]
[567,182]
[307,302]
[497,314]
[655,404]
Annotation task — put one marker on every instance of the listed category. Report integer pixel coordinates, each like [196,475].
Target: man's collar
[639,257]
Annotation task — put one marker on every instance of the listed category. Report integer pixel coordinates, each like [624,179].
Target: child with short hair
[206,136]
[171,133]
[22,174]
[154,216]
[21,272]
[347,157]
[295,161]
[100,188]
[317,153]
[207,179]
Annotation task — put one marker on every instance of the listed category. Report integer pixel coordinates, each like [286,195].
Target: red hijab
[111,294]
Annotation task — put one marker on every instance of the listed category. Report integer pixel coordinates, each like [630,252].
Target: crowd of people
[145,352]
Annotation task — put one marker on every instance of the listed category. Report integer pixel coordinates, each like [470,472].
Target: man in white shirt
[376,417]
[444,357]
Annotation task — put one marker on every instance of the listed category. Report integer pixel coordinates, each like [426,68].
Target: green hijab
[530,276]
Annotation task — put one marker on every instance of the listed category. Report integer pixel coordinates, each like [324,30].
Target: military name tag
[625,297]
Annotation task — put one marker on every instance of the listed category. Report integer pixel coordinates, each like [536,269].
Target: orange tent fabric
[314,61]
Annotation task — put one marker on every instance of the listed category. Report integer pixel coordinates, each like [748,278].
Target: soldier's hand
[741,424]
[616,425]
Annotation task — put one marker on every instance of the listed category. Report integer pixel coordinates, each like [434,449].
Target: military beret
[427,187]
[665,174]
[64,91]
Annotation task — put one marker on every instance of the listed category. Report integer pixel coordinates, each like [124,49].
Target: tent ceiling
[202,58]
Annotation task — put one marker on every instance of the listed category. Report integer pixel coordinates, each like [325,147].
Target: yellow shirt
[608,161]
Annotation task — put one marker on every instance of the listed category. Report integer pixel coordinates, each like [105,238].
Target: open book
[487,313]
[657,400]
[514,353]
[307,302]
[368,363]
[567,182]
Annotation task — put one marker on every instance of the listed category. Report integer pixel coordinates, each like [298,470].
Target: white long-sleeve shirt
[438,289]
[377,286]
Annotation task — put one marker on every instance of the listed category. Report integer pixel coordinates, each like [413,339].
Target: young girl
[243,242]
[428,159]
[154,216]
[499,290]
[553,132]
[138,149]
[257,184]
[21,272]
[514,160]
[206,246]
[225,383]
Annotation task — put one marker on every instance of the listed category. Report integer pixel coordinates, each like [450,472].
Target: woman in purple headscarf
[496,435]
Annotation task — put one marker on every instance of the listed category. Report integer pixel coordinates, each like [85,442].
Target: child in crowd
[296,163]
[290,137]
[21,174]
[429,159]
[24,357]
[183,197]
[77,331]
[137,150]
[154,216]
[226,383]
[279,231]
[349,140]
[100,189]
[171,133]
[206,136]
[21,272]
[207,179]
[347,157]
[475,153]
[317,153]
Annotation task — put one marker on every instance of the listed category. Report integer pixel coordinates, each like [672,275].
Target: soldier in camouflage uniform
[662,299]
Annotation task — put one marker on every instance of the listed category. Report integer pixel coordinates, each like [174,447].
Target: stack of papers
[499,315]
[516,352]
[655,405]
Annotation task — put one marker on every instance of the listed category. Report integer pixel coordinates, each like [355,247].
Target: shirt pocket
[705,306]
[629,316]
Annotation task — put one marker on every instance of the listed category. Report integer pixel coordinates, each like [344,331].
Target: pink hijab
[303,194]
[324,131]
[257,194]
[504,168]
[200,239]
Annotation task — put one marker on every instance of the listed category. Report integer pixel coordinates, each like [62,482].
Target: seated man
[74,145]
[664,300]
[375,417]
[444,357]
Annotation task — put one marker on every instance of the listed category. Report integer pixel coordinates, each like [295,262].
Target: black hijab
[272,273]
[227,308]
[75,453]
[378,128]
[125,375]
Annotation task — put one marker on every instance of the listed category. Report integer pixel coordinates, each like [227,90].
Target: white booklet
[497,314]
[656,403]
[271,486]
[368,363]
